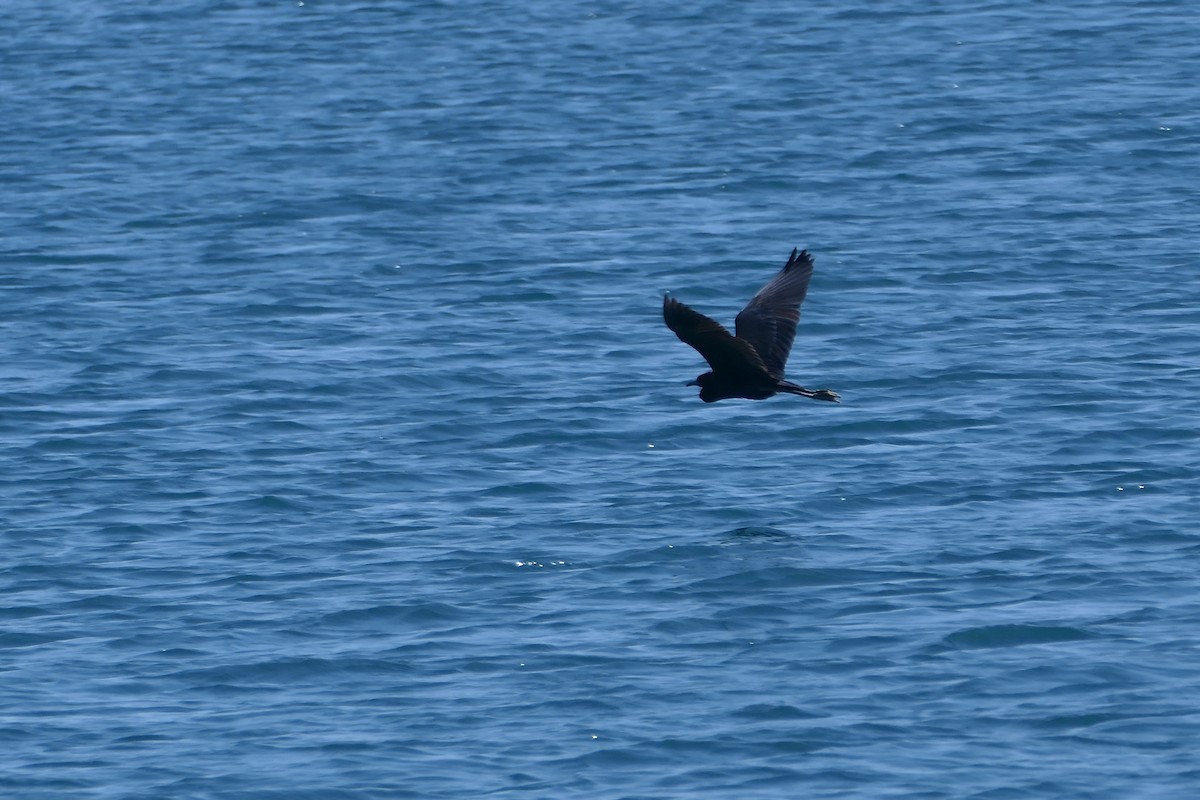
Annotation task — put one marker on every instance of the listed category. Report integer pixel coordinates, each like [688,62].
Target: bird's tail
[816,394]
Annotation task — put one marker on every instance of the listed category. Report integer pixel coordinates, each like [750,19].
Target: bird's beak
[692,383]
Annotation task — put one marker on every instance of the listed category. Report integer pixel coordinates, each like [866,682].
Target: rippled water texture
[346,454]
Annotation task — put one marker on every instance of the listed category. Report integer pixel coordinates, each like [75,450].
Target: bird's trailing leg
[816,394]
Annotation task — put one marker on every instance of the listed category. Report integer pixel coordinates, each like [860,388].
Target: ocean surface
[345,453]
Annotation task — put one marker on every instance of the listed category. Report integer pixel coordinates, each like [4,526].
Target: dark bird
[750,364]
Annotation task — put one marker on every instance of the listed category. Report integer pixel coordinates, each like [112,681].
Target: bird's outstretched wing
[768,322]
[725,353]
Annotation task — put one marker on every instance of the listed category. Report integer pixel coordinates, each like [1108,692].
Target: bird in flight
[750,364]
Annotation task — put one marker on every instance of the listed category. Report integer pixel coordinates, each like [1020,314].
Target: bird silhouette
[750,364]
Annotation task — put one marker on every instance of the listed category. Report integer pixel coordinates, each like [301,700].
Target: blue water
[345,453]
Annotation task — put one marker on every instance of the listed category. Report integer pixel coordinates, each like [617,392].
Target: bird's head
[710,392]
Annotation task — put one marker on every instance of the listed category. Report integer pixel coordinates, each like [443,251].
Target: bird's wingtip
[798,258]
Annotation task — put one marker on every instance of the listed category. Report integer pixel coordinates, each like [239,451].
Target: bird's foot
[825,394]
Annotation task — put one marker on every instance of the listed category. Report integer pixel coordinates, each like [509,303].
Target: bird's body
[750,364]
